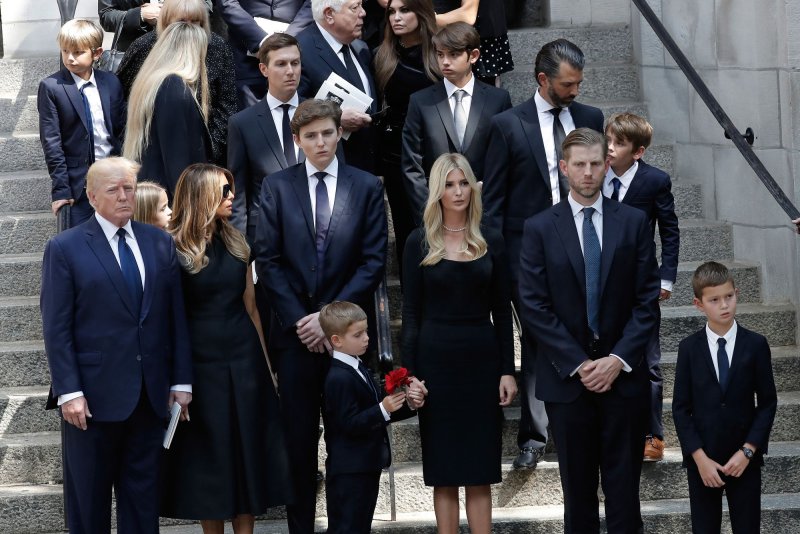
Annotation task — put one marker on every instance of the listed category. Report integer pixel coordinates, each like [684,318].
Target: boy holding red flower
[355,420]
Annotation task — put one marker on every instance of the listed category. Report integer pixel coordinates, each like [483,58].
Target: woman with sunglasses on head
[228,461]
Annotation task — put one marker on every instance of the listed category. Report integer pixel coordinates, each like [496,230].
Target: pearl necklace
[454,229]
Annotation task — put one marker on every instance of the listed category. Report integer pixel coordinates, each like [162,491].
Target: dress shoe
[653,449]
[528,458]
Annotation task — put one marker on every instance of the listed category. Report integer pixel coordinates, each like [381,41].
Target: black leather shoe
[528,458]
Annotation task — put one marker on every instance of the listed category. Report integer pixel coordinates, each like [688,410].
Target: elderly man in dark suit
[521,178]
[588,288]
[116,341]
[321,236]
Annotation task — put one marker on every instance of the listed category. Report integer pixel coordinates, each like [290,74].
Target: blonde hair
[79,33]
[148,195]
[194,221]
[474,243]
[180,50]
[113,167]
[191,11]
[335,318]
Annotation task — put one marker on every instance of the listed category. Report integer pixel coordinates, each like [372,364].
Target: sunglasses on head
[226,190]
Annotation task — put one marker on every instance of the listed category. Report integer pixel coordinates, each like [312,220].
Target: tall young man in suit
[450,116]
[333,44]
[116,340]
[321,236]
[522,178]
[588,286]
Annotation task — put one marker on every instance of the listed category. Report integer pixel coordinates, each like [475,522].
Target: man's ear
[639,153]
[97,53]
[474,54]
[263,68]
[697,303]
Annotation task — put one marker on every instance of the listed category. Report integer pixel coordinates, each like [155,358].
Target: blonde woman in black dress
[457,337]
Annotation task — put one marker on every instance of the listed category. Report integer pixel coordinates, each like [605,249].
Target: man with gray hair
[521,179]
[333,44]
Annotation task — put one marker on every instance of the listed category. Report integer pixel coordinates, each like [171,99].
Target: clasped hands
[76,411]
[311,335]
[598,375]
[709,469]
[415,396]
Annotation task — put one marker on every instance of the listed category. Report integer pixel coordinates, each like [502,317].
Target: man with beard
[521,179]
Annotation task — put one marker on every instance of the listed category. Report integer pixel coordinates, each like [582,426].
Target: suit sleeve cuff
[68,397]
[666,285]
[186,388]
[386,415]
[625,367]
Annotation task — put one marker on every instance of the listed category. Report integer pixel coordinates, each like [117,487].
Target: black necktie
[87,110]
[352,71]
[130,270]
[722,362]
[591,258]
[558,137]
[322,219]
[288,142]
[615,182]
[368,377]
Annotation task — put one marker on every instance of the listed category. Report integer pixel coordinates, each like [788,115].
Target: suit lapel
[344,182]
[702,349]
[565,227]
[74,96]
[475,111]
[739,352]
[356,375]
[105,98]
[102,250]
[445,113]
[300,184]
[267,125]
[148,257]
[529,120]
[327,54]
[611,231]
[635,186]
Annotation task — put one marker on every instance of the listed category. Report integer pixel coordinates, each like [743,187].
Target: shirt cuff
[386,416]
[573,373]
[667,285]
[68,397]
[186,388]
[625,367]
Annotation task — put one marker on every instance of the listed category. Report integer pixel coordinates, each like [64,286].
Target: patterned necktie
[722,362]
[368,377]
[288,142]
[558,137]
[459,117]
[130,270]
[322,219]
[352,71]
[591,258]
[87,111]
[615,182]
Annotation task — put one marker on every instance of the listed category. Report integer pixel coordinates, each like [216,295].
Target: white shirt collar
[352,361]
[330,39]
[332,169]
[729,336]
[577,207]
[542,105]
[110,229]
[273,102]
[450,88]
[80,82]
[627,176]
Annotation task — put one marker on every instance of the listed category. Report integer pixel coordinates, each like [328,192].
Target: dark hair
[710,274]
[335,318]
[629,127]
[550,57]
[276,41]
[583,137]
[312,109]
[457,37]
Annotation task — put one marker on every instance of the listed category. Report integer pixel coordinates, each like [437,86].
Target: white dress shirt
[546,121]
[336,46]
[102,139]
[330,184]
[275,108]
[466,100]
[730,342]
[353,362]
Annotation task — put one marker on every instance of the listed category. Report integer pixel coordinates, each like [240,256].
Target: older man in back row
[116,341]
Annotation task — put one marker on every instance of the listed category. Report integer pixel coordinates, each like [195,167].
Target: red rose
[397,378]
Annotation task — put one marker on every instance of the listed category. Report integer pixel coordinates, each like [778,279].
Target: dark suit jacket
[178,136]
[651,192]
[355,430]
[64,132]
[111,12]
[94,341]
[319,61]
[285,248]
[721,421]
[516,182]
[552,292]
[429,132]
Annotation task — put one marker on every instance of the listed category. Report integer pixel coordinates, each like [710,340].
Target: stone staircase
[529,502]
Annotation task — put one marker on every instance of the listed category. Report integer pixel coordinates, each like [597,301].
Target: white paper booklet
[347,95]
[174,417]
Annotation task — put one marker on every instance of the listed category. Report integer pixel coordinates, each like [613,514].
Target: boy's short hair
[630,127]
[77,34]
[312,110]
[710,274]
[457,37]
[276,41]
[583,137]
[335,318]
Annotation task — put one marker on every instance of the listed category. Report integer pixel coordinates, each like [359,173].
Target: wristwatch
[748,453]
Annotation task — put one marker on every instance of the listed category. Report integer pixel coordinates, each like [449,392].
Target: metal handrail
[713,105]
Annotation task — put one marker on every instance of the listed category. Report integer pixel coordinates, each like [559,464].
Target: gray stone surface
[21,76]
[688,199]
[31,509]
[703,240]
[600,43]
[30,458]
[22,411]
[20,319]
[18,114]
[23,363]
[24,191]
[21,152]
[661,156]
[747,276]
[20,275]
[26,233]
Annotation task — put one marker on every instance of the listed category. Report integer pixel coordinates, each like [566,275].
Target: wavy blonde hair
[194,221]
[147,196]
[432,218]
[180,50]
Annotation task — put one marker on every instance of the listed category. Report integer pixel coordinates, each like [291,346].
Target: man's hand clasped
[599,375]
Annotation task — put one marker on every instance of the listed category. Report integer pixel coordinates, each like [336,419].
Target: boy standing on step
[632,181]
[724,405]
[81,117]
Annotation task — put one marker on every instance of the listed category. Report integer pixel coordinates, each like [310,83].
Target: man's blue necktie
[321,221]
[615,182]
[130,270]
[87,110]
[722,362]
[591,258]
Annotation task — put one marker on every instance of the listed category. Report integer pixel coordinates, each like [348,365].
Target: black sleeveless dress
[230,458]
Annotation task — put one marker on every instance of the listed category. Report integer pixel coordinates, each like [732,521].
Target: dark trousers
[402,222]
[532,430]
[351,500]
[615,426]
[653,355]
[744,502]
[301,375]
[80,211]
[124,455]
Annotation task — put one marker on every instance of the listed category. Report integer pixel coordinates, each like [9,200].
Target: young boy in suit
[632,181]
[355,422]
[724,405]
[81,117]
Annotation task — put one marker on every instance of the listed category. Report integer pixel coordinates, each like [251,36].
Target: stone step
[663,157]
[747,276]
[18,114]
[20,319]
[703,240]
[20,152]
[22,76]
[22,411]
[31,458]
[598,43]
[26,233]
[688,196]
[23,363]
[20,274]
[24,191]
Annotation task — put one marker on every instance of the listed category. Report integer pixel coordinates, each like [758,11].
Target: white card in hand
[174,417]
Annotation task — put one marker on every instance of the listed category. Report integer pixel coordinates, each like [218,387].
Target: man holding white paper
[332,45]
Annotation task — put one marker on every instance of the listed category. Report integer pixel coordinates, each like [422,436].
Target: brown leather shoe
[653,449]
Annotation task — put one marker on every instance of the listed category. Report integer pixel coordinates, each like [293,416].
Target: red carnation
[397,378]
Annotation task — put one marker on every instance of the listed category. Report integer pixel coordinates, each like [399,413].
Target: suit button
[138,357]
[723,405]
[313,268]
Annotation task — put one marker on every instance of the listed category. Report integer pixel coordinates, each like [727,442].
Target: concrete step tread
[25,391]
[20,135]
[16,346]
[21,258]
[730,264]
[31,439]
[13,302]
[742,308]
[27,215]
[23,175]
